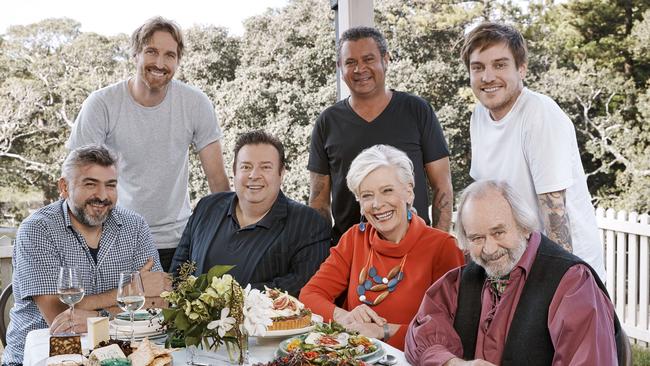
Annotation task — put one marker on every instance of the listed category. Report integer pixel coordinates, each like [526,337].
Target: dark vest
[528,341]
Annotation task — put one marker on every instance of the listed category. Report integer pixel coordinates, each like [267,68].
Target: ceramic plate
[141,329]
[315,318]
[137,337]
[61,358]
[369,358]
[138,323]
[138,315]
[282,349]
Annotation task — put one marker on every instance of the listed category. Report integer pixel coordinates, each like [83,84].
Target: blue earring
[409,215]
[362,225]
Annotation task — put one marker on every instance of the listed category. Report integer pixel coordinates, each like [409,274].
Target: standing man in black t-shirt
[375,115]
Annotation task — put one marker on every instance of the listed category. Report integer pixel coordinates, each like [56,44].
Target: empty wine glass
[130,295]
[70,289]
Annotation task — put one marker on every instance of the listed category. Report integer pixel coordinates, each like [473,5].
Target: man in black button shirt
[271,239]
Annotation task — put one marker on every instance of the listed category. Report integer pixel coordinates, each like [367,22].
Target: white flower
[257,311]
[224,324]
[222,285]
[190,280]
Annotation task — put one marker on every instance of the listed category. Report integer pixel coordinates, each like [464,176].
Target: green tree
[589,56]
[49,68]
[211,58]
[424,41]
[285,79]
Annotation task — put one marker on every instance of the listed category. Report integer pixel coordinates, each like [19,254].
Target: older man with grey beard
[522,301]
[84,229]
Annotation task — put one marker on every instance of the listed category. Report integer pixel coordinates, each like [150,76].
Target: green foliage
[588,56]
[640,356]
[591,56]
[424,41]
[286,78]
[50,68]
[197,301]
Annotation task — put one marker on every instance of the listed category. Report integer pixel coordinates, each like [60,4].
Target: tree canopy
[591,56]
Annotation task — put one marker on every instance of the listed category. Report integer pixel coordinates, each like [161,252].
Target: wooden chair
[4,299]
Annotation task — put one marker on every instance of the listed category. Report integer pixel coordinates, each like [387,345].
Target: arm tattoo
[438,209]
[556,218]
[325,213]
[318,190]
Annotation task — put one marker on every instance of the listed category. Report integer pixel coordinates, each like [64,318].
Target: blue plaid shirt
[46,240]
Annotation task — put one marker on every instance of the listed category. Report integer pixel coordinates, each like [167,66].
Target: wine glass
[70,289]
[130,295]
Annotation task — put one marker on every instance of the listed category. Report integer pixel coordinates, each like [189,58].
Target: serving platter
[370,359]
[282,349]
[315,319]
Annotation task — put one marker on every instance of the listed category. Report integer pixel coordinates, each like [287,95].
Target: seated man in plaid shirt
[86,230]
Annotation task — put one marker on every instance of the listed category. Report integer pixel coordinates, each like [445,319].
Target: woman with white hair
[387,261]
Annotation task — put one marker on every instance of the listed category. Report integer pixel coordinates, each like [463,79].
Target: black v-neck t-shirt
[340,134]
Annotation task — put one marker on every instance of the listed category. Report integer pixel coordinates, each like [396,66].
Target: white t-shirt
[534,149]
[153,144]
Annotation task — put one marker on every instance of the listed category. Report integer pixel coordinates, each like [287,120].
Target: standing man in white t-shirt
[151,120]
[525,139]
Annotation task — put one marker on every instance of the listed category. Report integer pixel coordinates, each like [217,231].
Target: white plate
[139,315]
[138,323]
[282,349]
[124,331]
[127,337]
[315,318]
[61,358]
[374,357]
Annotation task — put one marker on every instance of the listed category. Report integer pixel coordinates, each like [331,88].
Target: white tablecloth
[37,349]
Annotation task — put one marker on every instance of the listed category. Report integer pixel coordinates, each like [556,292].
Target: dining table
[261,350]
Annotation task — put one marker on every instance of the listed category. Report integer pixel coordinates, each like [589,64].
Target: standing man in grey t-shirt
[151,120]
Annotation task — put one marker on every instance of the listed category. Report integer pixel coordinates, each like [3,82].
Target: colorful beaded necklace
[369,280]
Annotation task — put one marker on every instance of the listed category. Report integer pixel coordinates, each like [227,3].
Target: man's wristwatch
[103,312]
[386,332]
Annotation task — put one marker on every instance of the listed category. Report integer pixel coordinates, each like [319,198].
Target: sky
[123,16]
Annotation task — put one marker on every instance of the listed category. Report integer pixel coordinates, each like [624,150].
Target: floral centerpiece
[212,310]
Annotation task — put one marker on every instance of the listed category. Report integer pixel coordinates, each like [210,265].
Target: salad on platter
[333,340]
[299,358]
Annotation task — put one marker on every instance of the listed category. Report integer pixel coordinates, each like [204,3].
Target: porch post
[348,14]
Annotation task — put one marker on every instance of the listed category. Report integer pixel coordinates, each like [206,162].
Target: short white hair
[376,157]
[523,214]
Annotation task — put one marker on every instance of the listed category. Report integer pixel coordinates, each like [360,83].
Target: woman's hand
[61,323]
[361,314]
[371,330]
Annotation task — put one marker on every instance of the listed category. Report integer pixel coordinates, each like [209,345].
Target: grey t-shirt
[153,145]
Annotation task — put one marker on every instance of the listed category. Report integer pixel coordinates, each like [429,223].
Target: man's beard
[498,270]
[88,219]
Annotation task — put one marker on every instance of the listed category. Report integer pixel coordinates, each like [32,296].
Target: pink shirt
[580,319]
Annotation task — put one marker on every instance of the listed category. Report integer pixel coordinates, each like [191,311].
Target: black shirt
[340,134]
[283,250]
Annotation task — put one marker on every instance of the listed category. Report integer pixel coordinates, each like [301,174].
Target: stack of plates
[144,325]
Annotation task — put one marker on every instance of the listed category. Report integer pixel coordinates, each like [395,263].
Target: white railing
[626,242]
[625,237]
